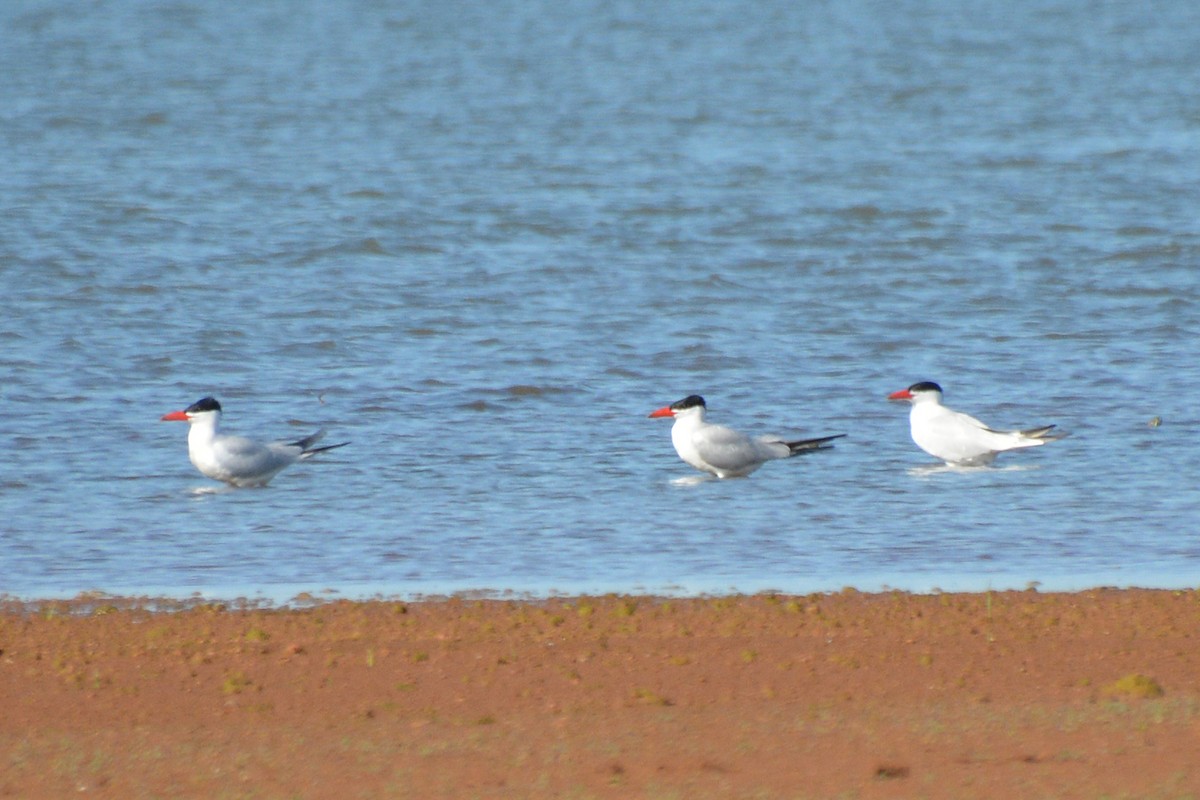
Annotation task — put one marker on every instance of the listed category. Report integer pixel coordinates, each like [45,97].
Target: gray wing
[1042,432]
[243,456]
[726,449]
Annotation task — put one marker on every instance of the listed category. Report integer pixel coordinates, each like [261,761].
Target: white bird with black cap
[234,459]
[959,439]
[723,451]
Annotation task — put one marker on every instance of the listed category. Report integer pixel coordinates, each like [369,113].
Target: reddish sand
[1004,695]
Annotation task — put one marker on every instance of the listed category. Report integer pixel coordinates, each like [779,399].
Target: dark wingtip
[812,445]
[327,447]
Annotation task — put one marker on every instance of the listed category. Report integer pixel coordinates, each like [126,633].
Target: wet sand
[1005,695]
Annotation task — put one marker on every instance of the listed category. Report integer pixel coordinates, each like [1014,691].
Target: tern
[234,459]
[958,439]
[723,451]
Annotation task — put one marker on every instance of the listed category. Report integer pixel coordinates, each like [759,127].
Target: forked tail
[306,444]
[811,445]
[1046,433]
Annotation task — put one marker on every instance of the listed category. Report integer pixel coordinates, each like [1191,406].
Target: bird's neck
[202,432]
[926,407]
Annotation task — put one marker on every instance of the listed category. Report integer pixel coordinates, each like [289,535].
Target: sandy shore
[1005,695]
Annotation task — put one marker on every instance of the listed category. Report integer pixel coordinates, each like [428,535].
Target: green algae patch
[1136,686]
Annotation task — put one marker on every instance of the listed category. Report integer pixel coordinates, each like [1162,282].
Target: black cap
[691,401]
[203,404]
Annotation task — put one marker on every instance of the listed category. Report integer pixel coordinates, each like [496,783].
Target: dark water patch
[139,289]
[417,248]
[527,390]
[355,247]
[860,213]
[1169,252]
[1141,230]
[1018,163]
[306,348]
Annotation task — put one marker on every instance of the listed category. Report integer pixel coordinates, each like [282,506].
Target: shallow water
[482,243]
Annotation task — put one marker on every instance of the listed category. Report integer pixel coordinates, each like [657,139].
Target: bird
[723,451]
[959,439]
[234,459]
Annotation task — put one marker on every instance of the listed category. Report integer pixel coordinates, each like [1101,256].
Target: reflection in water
[937,469]
[692,480]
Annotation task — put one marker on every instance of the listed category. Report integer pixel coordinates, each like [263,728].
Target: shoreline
[987,694]
[289,595]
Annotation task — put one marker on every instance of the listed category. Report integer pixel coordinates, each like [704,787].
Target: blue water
[483,241]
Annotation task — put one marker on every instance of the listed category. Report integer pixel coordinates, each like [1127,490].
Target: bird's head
[692,404]
[203,409]
[919,392]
